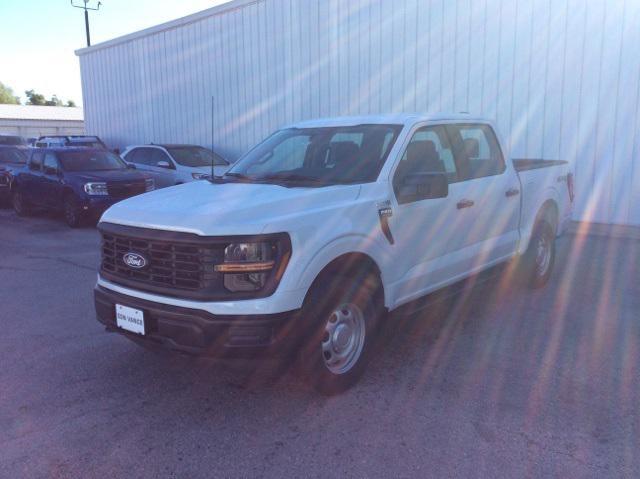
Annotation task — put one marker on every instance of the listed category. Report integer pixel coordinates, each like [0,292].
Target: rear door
[491,195]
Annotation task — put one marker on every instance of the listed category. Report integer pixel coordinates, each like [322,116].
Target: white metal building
[560,77]
[32,121]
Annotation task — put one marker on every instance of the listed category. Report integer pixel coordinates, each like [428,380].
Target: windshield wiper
[238,175]
[292,177]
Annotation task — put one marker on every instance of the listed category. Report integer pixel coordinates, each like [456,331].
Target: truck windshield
[319,156]
[12,155]
[90,161]
[196,156]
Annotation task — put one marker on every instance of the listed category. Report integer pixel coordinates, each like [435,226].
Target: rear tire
[345,319]
[72,211]
[21,205]
[538,261]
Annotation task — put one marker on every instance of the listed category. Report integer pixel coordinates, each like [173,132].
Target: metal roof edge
[172,24]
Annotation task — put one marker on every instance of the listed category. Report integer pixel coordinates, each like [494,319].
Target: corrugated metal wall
[560,77]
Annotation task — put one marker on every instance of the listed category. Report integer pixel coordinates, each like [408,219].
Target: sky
[38,38]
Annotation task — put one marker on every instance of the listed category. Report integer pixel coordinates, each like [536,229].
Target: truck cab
[325,227]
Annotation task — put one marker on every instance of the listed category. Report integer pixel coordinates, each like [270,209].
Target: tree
[7,97]
[35,98]
[39,100]
[55,101]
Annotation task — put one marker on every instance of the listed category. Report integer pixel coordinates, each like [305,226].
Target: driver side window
[429,151]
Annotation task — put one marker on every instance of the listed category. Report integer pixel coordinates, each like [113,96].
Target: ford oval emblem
[134,260]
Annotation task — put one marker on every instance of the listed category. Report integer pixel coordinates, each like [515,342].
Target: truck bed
[524,164]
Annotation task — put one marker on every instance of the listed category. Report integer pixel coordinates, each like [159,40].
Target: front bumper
[198,332]
[96,205]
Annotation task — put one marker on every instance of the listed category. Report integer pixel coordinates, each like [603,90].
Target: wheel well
[354,265]
[548,211]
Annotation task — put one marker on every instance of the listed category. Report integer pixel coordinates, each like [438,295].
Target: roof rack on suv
[70,140]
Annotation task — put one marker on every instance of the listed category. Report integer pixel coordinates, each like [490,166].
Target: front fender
[348,244]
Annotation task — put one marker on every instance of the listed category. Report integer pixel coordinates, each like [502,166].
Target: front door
[52,188]
[427,232]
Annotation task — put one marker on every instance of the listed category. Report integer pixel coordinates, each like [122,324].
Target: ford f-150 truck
[317,232]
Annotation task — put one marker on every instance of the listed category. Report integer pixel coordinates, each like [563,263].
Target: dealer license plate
[130,319]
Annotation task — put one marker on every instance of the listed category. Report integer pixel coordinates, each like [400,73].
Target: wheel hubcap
[543,255]
[343,339]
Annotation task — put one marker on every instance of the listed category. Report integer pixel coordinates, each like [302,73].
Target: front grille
[178,264]
[126,190]
[169,264]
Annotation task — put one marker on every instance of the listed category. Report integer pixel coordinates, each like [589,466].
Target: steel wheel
[543,255]
[344,337]
[537,263]
[342,328]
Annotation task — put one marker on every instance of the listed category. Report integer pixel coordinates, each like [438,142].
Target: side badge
[384,213]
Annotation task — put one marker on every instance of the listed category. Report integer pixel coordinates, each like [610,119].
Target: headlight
[150,185]
[199,176]
[247,266]
[96,189]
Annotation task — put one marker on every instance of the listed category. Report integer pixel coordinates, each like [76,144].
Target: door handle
[465,204]
[512,192]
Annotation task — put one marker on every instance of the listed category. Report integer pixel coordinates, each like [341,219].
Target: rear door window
[35,163]
[477,148]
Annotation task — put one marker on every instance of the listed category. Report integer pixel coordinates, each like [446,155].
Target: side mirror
[163,164]
[423,186]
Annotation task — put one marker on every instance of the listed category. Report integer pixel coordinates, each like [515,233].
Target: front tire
[540,257]
[72,211]
[21,205]
[345,321]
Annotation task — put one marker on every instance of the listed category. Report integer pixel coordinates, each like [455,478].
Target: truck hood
[208,209]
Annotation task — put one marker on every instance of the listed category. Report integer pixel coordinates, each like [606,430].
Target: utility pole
[86,9]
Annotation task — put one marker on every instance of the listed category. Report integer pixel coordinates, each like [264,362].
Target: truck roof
[388,119]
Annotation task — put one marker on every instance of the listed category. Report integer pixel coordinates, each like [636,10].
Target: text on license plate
[130,319]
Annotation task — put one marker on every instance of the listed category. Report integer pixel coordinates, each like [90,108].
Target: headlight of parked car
[150,184]
[96,189]
[249,266]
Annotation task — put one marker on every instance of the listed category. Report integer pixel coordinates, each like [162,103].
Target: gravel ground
[497,382]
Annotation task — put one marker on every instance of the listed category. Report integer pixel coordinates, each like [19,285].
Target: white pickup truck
[317,232]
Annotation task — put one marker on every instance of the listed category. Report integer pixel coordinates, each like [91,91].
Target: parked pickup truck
[311,237]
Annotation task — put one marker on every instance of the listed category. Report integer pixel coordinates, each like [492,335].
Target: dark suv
[81,182]
[12,159]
